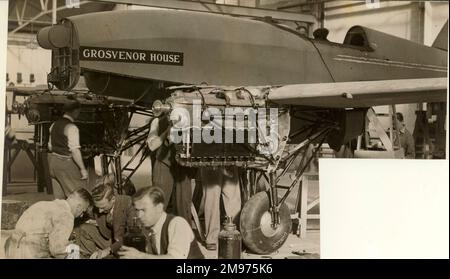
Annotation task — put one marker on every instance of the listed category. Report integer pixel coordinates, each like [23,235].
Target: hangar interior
[28,65]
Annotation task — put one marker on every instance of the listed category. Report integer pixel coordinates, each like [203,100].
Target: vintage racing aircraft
[155,62]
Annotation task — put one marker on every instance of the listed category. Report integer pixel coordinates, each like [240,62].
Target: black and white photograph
[224,129]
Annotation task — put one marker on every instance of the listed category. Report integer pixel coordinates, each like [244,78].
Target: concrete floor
[31,197]
[309,248]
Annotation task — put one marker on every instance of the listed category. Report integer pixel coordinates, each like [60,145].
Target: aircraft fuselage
[127,51]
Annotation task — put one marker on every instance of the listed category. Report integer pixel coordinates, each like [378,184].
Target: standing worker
[173,179]
[66,165]
[406,139]
[221,182]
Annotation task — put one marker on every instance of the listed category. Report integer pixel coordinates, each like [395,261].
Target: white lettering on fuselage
[167,58]
[157,57]
[114,54]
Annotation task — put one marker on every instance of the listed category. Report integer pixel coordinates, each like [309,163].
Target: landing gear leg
[265,219]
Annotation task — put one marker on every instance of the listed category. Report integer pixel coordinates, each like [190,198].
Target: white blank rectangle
[373,208]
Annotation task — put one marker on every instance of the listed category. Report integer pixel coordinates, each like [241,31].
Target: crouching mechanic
[113,213]
[44,229]
[169,236]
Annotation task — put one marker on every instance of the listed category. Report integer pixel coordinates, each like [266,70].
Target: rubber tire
[250,225]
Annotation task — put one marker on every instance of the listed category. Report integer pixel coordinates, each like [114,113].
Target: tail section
[441,41]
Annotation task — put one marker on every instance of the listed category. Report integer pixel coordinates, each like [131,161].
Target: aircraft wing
[361,93]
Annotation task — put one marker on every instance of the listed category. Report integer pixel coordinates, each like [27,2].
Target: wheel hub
[266,225]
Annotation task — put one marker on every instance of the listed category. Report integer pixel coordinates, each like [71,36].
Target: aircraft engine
[94,121]
[223,126]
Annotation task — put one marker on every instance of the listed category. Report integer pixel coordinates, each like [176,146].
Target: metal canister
[135,237]
[230,241]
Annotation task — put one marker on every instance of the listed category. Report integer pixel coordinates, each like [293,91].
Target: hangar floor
[293,248]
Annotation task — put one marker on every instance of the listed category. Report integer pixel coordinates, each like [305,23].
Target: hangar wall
[25,56]
[419,22]
[436,14]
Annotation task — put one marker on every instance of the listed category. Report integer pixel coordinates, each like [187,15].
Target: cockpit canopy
[356,36]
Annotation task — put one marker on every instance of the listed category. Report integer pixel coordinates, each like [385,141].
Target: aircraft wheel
[255,224]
